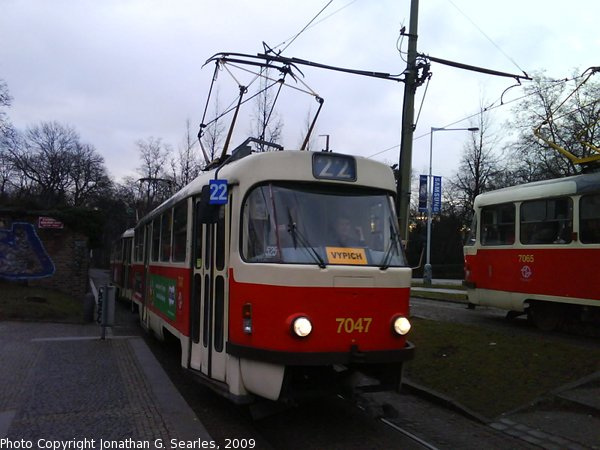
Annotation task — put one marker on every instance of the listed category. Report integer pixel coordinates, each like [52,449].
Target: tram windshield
[320,225]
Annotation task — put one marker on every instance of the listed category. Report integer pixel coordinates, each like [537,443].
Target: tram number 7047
[350,325]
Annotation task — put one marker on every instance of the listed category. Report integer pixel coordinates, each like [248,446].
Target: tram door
[209,293]
[146,284]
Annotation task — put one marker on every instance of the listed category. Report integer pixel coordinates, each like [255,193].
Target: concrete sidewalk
[61,383]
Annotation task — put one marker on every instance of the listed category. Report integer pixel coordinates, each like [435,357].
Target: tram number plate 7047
[350,325]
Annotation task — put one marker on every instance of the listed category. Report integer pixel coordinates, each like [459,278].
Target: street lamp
[427,272]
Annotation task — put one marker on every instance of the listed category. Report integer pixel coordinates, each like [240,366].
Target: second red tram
[535,249]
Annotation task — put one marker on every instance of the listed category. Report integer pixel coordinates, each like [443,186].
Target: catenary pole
[408,112]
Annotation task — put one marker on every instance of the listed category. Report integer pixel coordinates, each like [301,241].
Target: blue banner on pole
[422,193]
[437,195]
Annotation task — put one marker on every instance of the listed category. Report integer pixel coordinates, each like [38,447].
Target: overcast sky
[119,71]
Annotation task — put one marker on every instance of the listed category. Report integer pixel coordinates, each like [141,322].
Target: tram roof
[577,184]
[287,165]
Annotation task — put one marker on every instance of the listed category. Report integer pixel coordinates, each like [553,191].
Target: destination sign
[332,166]
[346,255]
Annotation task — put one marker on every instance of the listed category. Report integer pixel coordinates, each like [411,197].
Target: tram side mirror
[207,212]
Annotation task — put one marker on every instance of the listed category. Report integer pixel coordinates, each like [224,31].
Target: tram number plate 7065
[350,325]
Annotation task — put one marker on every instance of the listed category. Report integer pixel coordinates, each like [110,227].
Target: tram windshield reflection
[308,225]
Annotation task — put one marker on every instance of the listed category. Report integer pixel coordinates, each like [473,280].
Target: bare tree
[480,166]
[212,138]
[88,174]
[44,156]
[5,102]
[186,166]
[7,137]
[267,124]
[569,117]
[312,140]
[154,156]
[48,162]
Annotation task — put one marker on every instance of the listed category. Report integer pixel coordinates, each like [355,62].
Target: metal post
[427,269]
[108,309]
[408,113]
[427,272]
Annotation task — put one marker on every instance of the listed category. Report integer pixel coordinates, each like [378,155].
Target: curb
[420,293]
[441,399]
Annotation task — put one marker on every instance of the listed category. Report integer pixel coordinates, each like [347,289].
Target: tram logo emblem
[526,272]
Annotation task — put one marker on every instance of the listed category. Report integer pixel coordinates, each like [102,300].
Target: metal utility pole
[326,142]
[427,270]
[408,113]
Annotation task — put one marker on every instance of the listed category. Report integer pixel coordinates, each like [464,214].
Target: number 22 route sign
[218,192]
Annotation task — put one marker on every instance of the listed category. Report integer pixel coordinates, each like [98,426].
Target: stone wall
[47,253]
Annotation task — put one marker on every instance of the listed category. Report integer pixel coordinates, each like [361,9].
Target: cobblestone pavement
[61,383]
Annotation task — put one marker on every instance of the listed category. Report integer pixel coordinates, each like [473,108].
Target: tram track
[331,422]
[410,435]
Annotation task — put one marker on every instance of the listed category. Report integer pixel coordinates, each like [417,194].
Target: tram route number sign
[218,192]
[333,166]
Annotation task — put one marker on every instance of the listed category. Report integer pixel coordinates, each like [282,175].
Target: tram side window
[119,250]
[589,219]
[259,239]
[155,238]
[127,250]
[547,221]
[138,244]
[498,225]
[472,236]
[180,232]
[165,236]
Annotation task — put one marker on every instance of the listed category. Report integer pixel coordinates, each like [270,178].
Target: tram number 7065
[526,258]
[350,325]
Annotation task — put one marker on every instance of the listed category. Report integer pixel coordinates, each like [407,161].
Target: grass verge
[20,302]
[432,295]
[455,287]
[490,372]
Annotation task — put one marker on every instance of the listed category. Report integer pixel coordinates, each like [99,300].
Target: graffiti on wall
[22,254]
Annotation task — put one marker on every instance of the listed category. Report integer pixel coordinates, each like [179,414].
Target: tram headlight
[301,326]
[401,325]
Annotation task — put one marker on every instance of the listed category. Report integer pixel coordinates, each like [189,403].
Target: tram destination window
[498,224]
[548,221]
[589,219]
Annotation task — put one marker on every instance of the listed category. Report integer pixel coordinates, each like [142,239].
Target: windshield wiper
[297,236]
[387,259]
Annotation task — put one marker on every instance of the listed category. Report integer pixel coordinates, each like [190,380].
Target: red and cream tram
[279,273]
[121,264]
[535,248]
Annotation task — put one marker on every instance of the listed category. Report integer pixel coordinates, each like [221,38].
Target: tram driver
[347,235]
